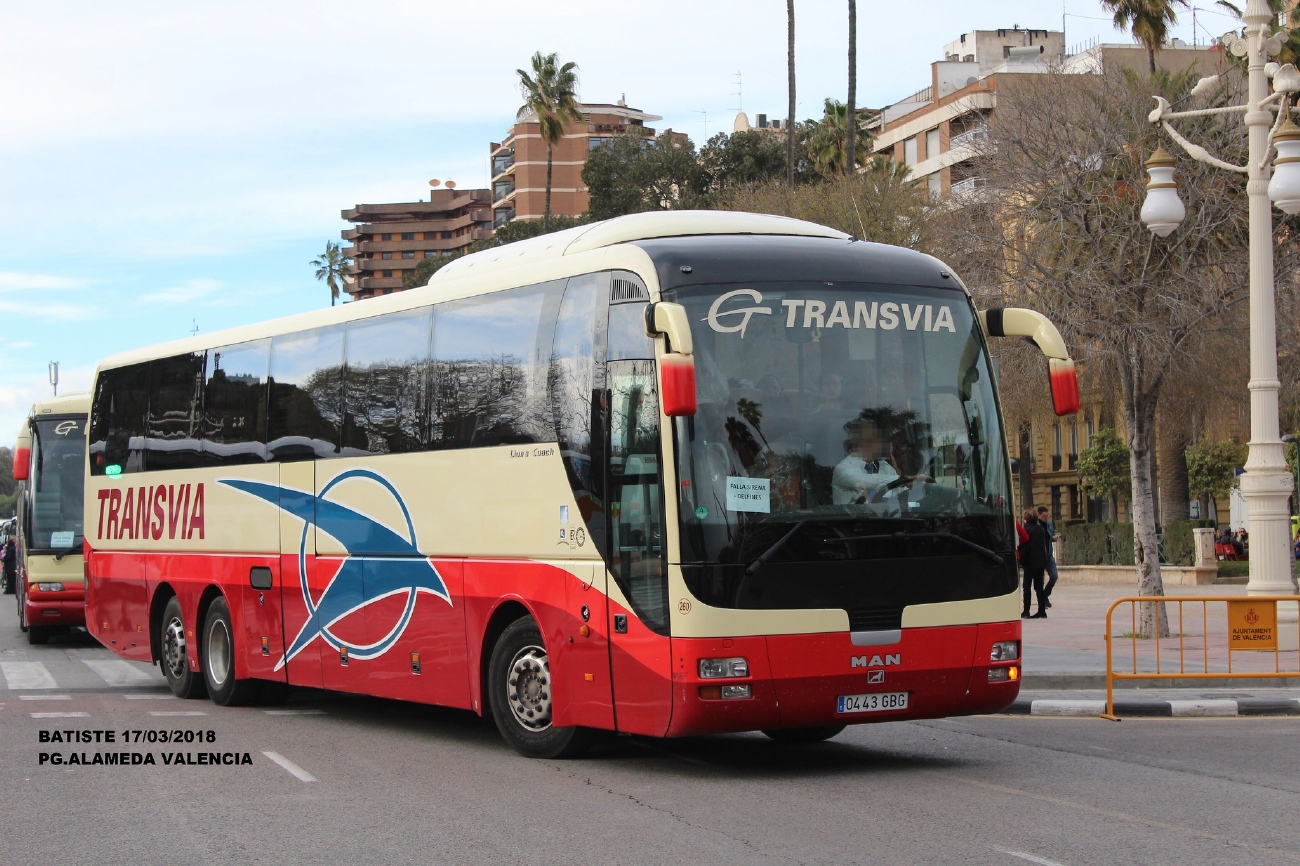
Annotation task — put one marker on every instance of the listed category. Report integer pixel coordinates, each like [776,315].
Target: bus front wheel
[217,658]
[172,657]
[520,694]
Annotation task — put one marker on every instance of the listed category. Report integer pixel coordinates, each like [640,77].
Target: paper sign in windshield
[748,494]
[61,539]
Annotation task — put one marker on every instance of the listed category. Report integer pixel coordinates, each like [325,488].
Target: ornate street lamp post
[1266,485]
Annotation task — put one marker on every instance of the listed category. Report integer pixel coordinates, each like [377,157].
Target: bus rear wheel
[217,659]
[520,695]
[803,736]
[172,655]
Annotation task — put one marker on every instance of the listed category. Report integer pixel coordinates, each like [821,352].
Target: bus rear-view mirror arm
[1019,322]
[677,366]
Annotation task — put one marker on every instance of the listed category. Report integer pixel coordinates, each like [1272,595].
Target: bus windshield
[837,423]
[58,454]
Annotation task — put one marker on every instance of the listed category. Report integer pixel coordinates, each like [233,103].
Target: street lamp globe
[1284,187]
[1163,210]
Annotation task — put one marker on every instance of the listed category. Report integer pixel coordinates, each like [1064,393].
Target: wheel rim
[218,652]
[173,648]
[528,688]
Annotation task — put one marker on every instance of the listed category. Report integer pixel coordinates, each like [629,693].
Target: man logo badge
[876,661]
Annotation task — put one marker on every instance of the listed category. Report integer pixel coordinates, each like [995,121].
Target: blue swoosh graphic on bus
[380,563]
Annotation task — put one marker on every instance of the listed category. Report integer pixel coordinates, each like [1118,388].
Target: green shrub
[1180,542]
[1098,543]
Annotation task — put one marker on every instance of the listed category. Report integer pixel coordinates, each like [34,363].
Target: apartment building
[519,162]
[936,131]
[388,240]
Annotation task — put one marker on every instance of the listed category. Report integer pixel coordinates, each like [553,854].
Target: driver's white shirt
[855,478]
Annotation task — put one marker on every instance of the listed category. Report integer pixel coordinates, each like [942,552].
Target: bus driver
[867,468]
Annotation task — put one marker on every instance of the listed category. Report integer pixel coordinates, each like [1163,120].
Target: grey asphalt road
[340,779]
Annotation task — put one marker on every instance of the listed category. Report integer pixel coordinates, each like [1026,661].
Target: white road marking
[118,672]
[59,715]
[150,697]
[294,712]
[27,675]
[1042,861]
[181,713]
[45,697]
[293,768]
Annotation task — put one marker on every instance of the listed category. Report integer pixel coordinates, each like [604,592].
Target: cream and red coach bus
[607,479]
[49,466]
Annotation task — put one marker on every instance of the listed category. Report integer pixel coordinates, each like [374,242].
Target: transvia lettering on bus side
[813,313]
[145,512]
[396,564]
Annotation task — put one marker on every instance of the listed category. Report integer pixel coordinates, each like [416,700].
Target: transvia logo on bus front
[397,565]
[813,313]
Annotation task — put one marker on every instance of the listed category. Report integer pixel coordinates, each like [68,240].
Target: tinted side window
[234,404]
[117,420]
[491,358]
[306,408]
[386,385]
[175,409]
[575,389]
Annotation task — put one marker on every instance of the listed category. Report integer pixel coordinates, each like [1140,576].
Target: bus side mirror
[677,367]
[1038,329]
[22,462]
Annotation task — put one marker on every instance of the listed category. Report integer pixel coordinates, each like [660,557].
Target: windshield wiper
[766,556]
[983,551]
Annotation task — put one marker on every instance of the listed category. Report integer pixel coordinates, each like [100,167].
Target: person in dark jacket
[10,567]
[1033,559]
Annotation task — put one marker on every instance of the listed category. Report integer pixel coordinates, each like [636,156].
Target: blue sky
[166,166]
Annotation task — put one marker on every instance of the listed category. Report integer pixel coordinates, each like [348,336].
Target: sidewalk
[1065,664]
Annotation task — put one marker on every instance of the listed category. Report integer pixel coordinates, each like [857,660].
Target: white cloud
[41,309]
[11,281]
[185,293]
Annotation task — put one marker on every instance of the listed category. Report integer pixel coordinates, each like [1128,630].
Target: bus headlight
[50,587]
[1005,651]
[715,668]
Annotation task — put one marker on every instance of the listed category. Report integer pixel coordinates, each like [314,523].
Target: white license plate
[873,703]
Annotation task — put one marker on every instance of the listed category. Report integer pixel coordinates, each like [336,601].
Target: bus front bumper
[816,680]
[63,607]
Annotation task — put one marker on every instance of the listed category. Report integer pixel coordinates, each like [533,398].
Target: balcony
[970,190]
[503,216]
[969,138]
[502,163]
[502,190]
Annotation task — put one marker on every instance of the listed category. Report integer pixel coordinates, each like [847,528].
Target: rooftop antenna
[739,94]
[194,330]
[54,376]
[706,122]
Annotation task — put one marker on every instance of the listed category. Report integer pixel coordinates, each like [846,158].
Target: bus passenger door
[304,668]
[640,655]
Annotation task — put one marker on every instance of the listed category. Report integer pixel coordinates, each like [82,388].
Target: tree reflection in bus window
[636,542]
[387,383]
[306,394]
[234,404]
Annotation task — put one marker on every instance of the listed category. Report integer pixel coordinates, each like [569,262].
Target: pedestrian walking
[9,558]
[1033,559]
[1045,518]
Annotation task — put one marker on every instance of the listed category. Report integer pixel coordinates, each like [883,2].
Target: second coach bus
[49,466]
[668,474]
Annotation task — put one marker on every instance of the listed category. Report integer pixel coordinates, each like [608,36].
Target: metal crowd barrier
[1241,640]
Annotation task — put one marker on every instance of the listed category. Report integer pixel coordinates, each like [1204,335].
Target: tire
[172,655]
[217,659]
[803,736]
[22,612]
[38,634]
[519,692]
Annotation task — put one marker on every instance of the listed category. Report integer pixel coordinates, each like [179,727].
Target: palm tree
[331,267]
[1147,20]
[853,79]
[549,94]
[828,139]
[789,116]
